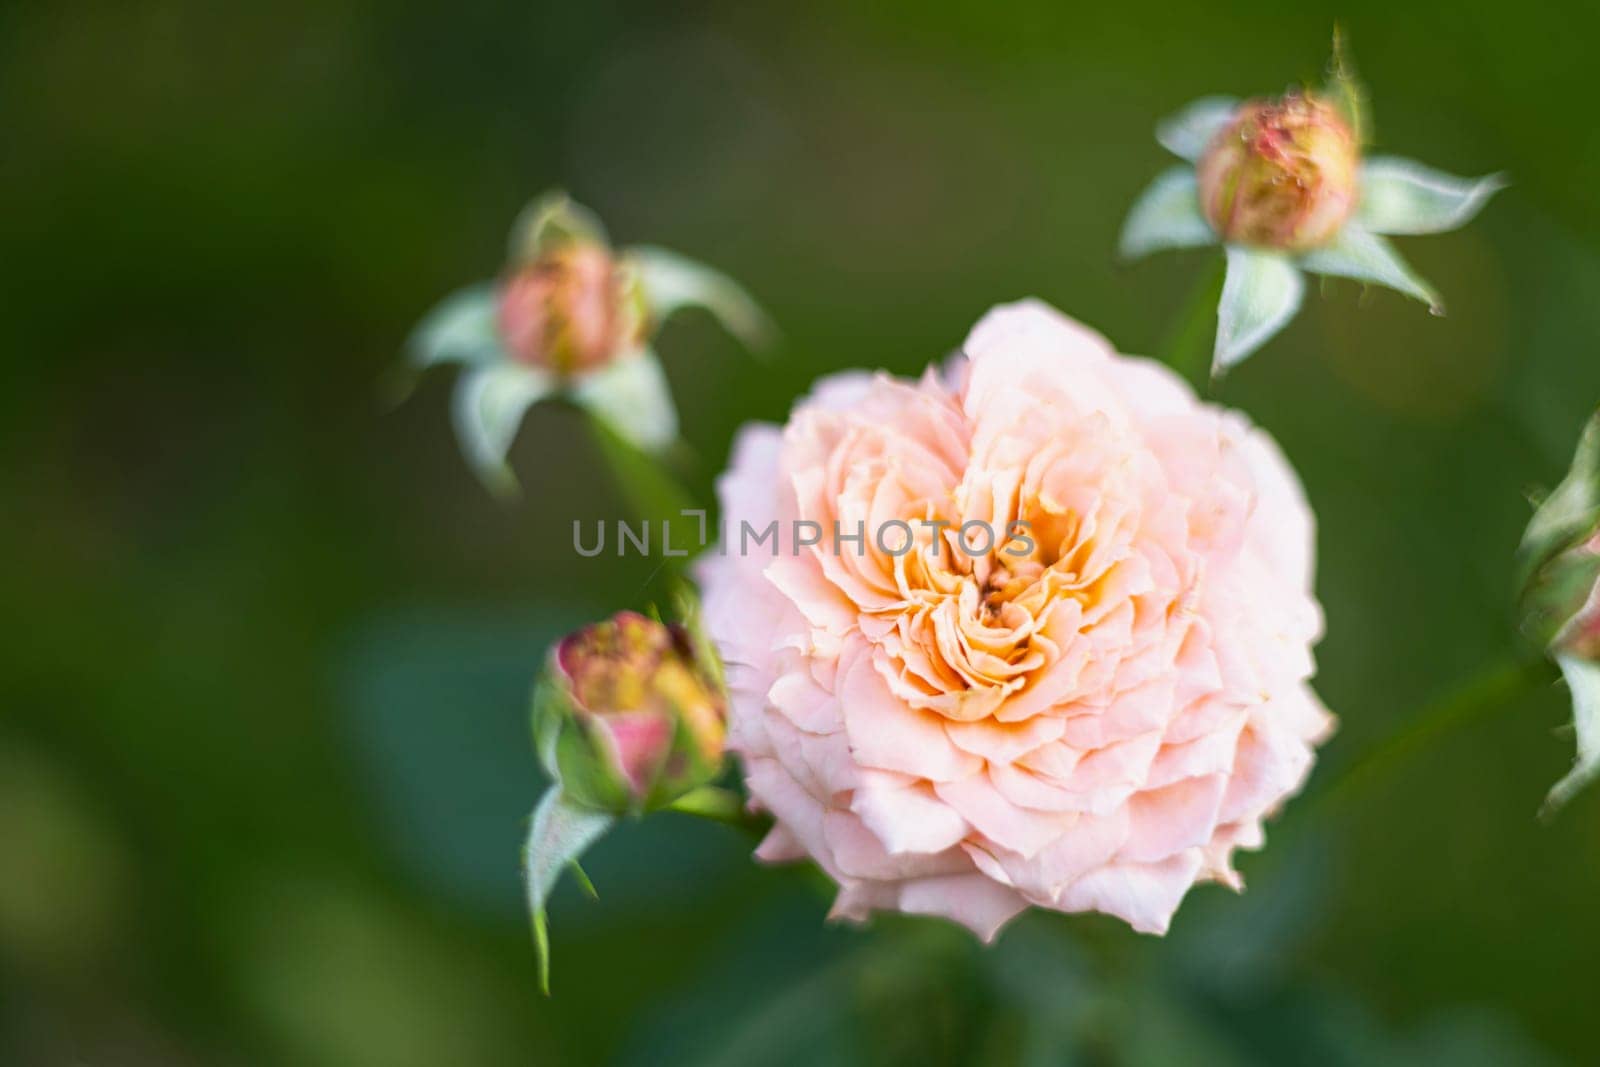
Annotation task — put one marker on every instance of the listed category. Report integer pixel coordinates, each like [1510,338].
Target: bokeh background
[263,756]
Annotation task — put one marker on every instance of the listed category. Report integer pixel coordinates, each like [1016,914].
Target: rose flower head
[628,716]
[1036,631]
[570,317]
[1283,187]
[1281,174]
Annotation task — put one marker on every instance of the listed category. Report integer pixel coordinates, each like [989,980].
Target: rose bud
[1561,601]
[1280,174]
[628,717]
[572,309]
[1580,636]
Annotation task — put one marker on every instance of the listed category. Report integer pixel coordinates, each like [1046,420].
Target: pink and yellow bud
[1569,595]
[638,720]
[1281,174]
[572,309]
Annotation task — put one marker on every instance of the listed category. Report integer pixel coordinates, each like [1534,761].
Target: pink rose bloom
[1089,713]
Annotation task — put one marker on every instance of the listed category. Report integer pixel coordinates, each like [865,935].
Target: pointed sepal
[1346,92]
[560,833]
[1358,253]
[1551,577]
[1583,681]
[463,328]
[1187,133]
[487,409]
[1166,215]
[1260,294]
[670,282]
[1399,196]
[632,397]
[551,220]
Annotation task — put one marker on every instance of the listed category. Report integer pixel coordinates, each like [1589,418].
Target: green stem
[1495,687]
[709,802]
[1189,344]
[649,490]
[721,805]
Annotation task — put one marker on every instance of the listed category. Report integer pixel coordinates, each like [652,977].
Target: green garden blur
[264,764]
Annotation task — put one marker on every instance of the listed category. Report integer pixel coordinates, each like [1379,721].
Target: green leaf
[559,835]
[550,220]
[631,396]
[1401,196]
[1187,133]
[1166,215]
[1260,294]
[671,282]
[489,404]
[1583,679]
[1357,253]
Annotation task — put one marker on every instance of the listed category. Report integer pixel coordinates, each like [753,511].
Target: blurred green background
[263,764]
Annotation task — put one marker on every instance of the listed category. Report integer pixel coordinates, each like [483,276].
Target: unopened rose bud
[1563,602]
[635,720]
[1280,174]
[572,309]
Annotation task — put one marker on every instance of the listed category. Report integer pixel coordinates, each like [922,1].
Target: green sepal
[1400,196]
[714,803]
[1583,680]
[585,768]
[570,751]
[551,220]
[463,328]
[1365,257]
[1187,133]
[1166,215]
[1548,578]
[632,397]
[684,769]
[670,282]
[559,834]
[1346,92]
[487,409]
[1570,513]
[1260,293]
[687,606]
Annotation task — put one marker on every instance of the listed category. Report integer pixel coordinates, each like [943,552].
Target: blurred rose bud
[1580,634]
[1558,578]
[1561,601]
[1280,174]
[572,309]
[632,717]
